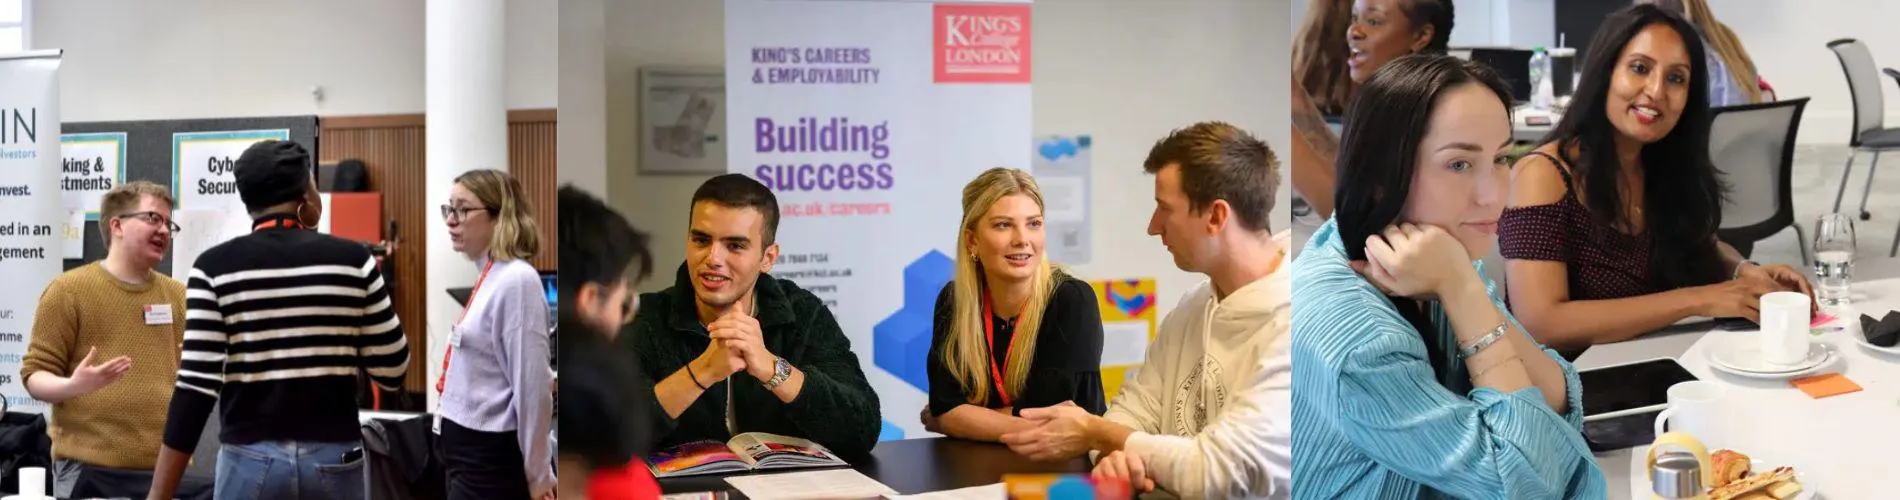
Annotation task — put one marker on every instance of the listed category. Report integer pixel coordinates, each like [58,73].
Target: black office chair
[1870,133]
[1753,146]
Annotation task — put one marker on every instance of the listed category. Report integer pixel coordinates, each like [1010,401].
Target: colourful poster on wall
[204,166]
[867,137]
[1128,326]
[90,165]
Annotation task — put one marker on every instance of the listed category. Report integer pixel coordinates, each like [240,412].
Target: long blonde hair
[516,236]
[1319,55]
[1724,43]
[965,353]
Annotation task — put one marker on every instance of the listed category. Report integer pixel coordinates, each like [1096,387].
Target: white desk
[1837,443]
[1523,131]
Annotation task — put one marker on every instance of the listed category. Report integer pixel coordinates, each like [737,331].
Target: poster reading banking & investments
[866,118]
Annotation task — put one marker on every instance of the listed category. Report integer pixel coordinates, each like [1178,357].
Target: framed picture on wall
[682,120]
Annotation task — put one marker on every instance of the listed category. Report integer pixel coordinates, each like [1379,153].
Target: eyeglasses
[461,213]
[153,218]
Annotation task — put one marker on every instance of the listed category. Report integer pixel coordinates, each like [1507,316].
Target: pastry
[1730,466]
[1745,485]
[1755,495]
[1784,489]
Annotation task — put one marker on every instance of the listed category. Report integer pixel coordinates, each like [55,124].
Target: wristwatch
[781,370]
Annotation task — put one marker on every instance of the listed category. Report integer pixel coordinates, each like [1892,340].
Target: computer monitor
[1514,65]
[463,294]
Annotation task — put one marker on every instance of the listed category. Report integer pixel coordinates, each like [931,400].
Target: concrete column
[467,130]
[582,100]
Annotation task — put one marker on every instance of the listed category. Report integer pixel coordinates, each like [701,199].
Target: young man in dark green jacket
[727,325]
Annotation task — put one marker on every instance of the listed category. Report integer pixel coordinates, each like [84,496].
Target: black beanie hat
[272,173]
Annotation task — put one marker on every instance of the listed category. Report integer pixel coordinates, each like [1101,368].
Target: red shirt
[632,482]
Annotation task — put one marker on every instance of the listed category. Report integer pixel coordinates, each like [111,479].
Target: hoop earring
[300,207]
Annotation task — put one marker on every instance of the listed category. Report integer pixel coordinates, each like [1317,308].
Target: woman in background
[1412,379]
[1611,229]
[602,256]
[1011,331]
[1379,31]
[1732,77]
[497,401]
[1319,60]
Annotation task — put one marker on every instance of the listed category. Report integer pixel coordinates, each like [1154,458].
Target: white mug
[1784,327]
[32,482]
[1693,410]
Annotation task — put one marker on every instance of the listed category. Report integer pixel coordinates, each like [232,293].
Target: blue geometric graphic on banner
[1060,147]
[890,432]
[902,341]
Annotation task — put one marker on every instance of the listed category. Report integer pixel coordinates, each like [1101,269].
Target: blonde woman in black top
[1011,330]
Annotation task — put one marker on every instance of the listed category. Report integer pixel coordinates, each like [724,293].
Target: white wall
[1488,22]
[1093,75]
[1788,41]
[139,60]
[581,135]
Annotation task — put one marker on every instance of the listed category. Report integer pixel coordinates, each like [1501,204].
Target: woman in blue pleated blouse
[1411,379]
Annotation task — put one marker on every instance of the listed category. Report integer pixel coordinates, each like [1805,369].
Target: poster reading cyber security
[204,168]
[867,118]
[30,212]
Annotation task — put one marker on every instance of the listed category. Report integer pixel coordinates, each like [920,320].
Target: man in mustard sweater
[105,350]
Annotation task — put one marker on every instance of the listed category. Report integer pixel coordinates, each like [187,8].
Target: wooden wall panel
[531,160]
[392,148]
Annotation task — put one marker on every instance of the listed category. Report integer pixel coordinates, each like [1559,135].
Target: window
[12,26]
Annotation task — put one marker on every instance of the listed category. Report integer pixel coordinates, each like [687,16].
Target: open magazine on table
[745,452]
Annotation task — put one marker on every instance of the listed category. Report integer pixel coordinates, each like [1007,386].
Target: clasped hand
[1414,261]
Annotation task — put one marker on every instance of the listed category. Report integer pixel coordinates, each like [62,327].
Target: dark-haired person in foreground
[728,325]
[1611,230]
[602,257]
[1206,415]
[1413,381]
[278,323]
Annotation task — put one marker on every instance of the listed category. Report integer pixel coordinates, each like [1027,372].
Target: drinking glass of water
[1833,258]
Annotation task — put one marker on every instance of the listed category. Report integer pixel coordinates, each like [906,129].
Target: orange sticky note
[1821,386]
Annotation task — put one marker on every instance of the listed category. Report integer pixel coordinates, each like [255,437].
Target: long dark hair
[1378,150]
[1683,194]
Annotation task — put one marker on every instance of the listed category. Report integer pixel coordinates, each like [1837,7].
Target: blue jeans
[290,470]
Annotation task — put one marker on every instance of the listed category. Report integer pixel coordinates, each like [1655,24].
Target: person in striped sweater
[278,324]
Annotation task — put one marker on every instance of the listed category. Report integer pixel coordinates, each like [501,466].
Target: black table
[913,466]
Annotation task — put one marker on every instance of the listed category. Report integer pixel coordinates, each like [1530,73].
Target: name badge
[158,314]
[455,337]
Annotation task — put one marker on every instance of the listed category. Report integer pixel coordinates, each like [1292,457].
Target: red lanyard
[279,222]
[989,339]
[458,324]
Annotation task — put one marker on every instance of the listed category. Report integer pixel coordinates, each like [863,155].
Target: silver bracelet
[1490,338]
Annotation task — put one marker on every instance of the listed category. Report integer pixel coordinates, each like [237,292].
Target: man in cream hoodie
[1208,414]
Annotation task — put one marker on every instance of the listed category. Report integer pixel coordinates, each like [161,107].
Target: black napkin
[1883,333]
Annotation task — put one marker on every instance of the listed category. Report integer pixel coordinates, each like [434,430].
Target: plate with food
[1739,477]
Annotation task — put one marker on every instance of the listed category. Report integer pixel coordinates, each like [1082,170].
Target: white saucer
[1862,340]
[1741,356]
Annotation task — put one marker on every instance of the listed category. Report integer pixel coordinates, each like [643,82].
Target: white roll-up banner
[31,213]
